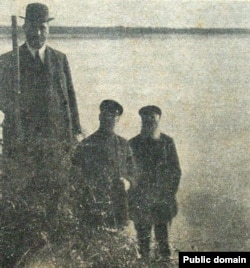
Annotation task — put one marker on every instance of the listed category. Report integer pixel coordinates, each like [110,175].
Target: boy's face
[109,120]
[150,122]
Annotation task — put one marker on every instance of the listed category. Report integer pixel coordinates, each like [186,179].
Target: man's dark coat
[56,100]
[41,121]
[153,200]
[40,126]
[103,159]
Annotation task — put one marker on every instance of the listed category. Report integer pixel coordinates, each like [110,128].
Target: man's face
[36,33]
[150,122]
[109,120]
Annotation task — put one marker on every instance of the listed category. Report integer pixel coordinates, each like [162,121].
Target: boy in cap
[153,201]
[35,152]
[107,167]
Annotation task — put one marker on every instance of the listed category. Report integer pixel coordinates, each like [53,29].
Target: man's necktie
[38,59]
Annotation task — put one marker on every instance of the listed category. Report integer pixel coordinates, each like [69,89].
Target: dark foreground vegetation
[73,237]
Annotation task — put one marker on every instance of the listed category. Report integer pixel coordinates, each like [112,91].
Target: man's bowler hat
[150,109]
[37,12]
[111,106]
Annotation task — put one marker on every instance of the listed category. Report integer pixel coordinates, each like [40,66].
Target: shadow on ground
[215,222]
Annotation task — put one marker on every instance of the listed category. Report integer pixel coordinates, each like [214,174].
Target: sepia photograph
[124,132]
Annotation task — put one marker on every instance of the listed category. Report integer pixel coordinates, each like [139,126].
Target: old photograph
[124,131]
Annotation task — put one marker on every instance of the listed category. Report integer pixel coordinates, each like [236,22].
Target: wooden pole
[16,78]
[16,54]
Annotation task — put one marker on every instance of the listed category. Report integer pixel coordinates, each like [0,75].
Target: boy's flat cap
[150,109]
[111,106]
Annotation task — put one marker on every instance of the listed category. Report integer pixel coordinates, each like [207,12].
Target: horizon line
[123,31]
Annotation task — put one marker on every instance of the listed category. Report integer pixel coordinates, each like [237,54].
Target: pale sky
[138,13]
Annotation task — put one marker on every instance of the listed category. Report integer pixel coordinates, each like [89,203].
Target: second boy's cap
[150,109]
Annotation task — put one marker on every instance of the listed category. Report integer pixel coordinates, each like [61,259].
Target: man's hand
[79,137]
[126,183]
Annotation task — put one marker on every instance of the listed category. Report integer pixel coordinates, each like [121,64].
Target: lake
[201,83]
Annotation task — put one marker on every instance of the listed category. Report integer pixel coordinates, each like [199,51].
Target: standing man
[153,201]
[106,166]
[35,153]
